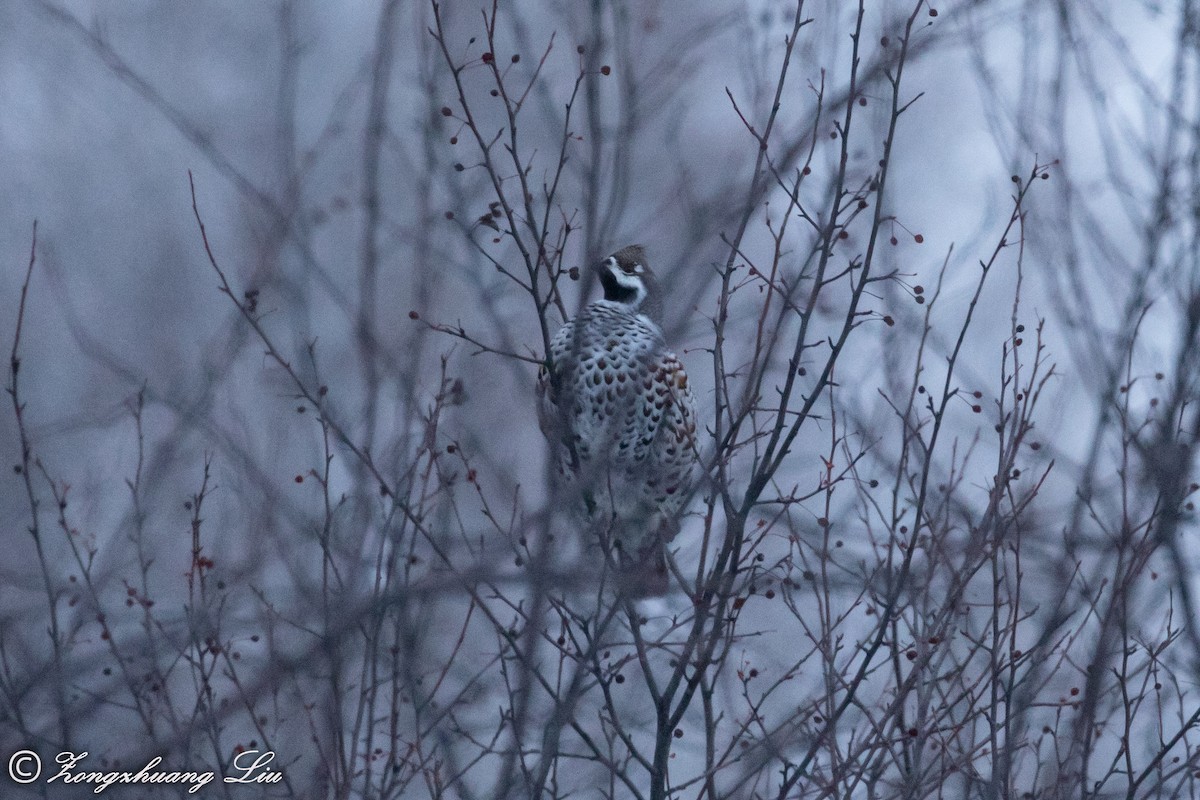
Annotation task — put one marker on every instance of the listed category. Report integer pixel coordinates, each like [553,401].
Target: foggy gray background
[105,107]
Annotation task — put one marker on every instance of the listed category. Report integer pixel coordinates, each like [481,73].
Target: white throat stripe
[631,283]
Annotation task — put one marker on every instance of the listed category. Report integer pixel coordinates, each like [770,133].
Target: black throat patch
[614,291]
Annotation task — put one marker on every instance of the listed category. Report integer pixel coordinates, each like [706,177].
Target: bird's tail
[644,571]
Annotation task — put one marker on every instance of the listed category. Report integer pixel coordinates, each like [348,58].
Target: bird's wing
[674,450]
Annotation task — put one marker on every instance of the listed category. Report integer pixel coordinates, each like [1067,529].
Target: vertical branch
[368,289]
[35,530]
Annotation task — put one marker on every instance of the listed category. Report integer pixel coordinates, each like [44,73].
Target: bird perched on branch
[622,420]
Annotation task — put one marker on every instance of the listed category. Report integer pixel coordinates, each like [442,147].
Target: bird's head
[627,279]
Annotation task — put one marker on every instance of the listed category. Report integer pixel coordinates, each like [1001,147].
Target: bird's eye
[629,269]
